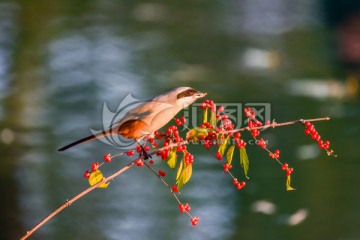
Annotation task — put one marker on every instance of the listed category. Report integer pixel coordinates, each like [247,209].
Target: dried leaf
[171,160]
[230,154]
[96,177]
[244,161]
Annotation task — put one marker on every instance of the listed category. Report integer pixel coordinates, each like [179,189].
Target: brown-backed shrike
[148,117]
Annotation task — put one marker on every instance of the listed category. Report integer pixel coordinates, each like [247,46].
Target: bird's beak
[200,94]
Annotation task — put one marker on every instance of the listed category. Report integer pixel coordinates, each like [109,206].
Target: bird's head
[181,96]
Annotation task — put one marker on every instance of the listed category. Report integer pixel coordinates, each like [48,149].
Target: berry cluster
[189,158]
[184,207]
[195,220]
[95,165]
[239,185]
[162,173]
[180,121]
[227,167]
[240,143]
[152,142]
[171,136]
[285,167]
[275,154]
[310,130]
[139,162]
[262,143]
[208,104]
[174,189]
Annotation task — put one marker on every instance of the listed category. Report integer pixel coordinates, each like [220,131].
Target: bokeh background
[61,60]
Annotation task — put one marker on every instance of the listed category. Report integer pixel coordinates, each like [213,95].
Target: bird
[147,117]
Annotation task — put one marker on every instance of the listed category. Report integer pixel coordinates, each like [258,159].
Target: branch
[77,197]
[129,165]
[275,124]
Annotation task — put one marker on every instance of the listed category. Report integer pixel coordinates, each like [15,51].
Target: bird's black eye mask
[186,93]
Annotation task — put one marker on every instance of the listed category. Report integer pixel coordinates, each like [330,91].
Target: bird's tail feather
[83,140]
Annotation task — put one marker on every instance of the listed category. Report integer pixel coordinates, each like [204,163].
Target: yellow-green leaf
[224,145]
[180,168]
[288,182]
[185,176]
[205,116]
[213,118]
[171,160]
[196,134]
[96,177]
[244,161]
[229,154]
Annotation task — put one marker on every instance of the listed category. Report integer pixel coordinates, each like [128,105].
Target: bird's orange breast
[132,129]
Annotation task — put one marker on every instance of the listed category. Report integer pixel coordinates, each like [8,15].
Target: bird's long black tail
[84,140]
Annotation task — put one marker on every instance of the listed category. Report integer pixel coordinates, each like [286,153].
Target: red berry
[183,119]
[235,182]
[162,173]
[139,162]
[107,157]
[130,153]
[307,131]
[151,161]
[138,148]
[221,109]
[261,142]
[284,166]
[255,132]
[267,122]
[87,174]
[175,188]
[182,208]
[187,207]
[146,148]
[307,124]
[95,166]
[178,121]
[218,156]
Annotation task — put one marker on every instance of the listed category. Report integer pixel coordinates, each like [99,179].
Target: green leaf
[288,182]
[244,161]
[230,154]
[171,160]
[213,119]
[96,177]
[224,145]
[196,134]
[205,116]
[184,176]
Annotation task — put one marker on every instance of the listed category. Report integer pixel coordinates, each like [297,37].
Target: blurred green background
[61,60]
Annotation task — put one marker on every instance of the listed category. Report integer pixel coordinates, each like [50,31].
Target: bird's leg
[144,152]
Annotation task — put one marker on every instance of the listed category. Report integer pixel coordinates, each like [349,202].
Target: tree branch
[129,165]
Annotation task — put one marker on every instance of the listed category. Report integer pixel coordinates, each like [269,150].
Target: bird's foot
[144,153]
